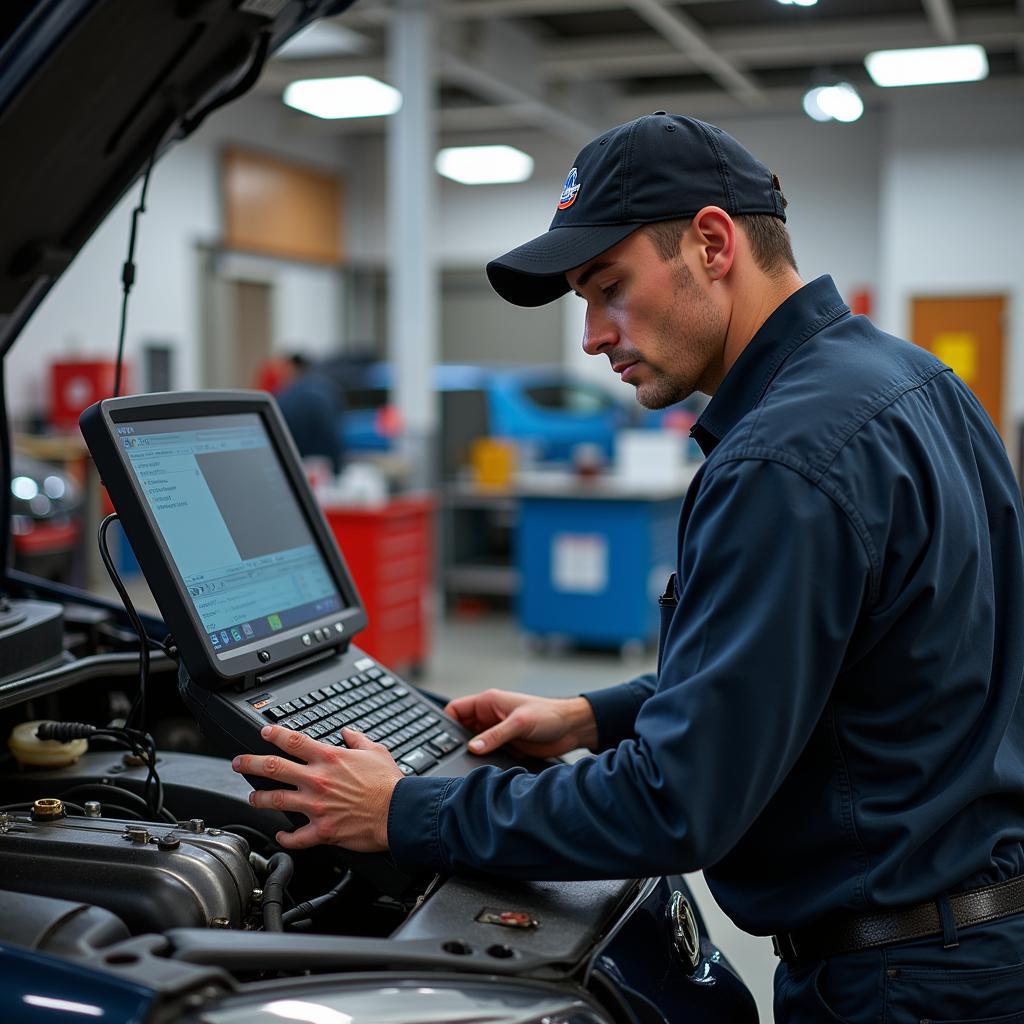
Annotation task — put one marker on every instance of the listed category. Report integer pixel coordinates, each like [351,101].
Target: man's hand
[537,726]
[344,791]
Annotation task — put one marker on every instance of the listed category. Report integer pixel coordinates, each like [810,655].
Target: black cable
[140,744]
[281,868]
[138,707]
[249,833]
[128,273]
[311,907]
[104,793]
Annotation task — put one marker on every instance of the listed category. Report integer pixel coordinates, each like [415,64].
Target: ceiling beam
[641,56]
[638,55]
[710,104]
[940,15]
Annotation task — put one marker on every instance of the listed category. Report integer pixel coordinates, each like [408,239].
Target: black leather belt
[870,931]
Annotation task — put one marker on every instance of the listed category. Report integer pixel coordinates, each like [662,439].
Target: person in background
[313,406]
[835,731]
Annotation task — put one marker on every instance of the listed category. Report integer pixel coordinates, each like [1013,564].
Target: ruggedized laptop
[249,580]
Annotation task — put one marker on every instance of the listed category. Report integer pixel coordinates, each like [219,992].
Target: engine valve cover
[152,875]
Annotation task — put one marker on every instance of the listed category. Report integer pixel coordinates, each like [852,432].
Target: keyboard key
[445,742]
[275,714]
[289,708]
[419,760]
[407,769]
[387,681]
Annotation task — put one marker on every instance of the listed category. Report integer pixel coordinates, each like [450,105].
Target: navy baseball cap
[658,167]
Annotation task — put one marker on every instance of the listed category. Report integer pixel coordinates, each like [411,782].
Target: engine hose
[281,869]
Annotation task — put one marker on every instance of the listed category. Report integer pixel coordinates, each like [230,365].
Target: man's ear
[714,235]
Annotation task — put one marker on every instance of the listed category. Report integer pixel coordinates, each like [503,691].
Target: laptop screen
[233,525]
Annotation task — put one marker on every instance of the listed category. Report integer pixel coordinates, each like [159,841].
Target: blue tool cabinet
[594,562]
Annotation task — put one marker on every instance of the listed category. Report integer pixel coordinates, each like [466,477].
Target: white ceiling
[573,67]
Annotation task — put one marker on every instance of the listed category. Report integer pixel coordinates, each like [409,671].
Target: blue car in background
[550,409]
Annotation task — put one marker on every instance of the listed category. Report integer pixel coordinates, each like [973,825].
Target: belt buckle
[785,948]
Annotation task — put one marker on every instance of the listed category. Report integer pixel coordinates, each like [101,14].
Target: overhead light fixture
[799,3]
[484,165]
[834,103]
[352,96]
[928,65]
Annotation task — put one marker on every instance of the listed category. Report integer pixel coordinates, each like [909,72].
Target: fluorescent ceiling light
[834,103]
[928,65]
[354,96]
[484,165]
[799,3]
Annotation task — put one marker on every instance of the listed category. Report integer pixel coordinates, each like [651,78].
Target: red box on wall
[76,383]
[389,551]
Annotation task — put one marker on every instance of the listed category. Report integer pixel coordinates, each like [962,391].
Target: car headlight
[465,1000]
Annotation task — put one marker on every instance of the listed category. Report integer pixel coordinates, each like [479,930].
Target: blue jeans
[980,982]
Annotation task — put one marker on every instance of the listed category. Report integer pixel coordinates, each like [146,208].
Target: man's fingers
[461,708]
[270,767]
[496,736]
[356,740]
[293,743]
[279,800]
[301,839]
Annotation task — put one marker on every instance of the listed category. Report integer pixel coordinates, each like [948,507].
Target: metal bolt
[93,809]
[219,922]
[168,842]
[136,834]
[195,825]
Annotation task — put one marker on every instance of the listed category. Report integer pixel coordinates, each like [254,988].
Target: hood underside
[90,91]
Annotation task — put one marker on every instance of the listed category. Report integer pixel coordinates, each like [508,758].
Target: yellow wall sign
[959,351]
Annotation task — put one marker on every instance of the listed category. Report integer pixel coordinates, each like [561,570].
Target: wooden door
[966,333]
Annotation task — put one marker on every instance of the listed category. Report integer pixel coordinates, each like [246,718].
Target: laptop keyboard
[378,705]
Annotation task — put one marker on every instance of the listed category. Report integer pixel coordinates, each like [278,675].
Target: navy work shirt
[834,724]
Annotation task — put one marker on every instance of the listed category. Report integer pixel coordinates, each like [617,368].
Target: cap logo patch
[569,190]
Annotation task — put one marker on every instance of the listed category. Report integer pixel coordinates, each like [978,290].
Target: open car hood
[90,90]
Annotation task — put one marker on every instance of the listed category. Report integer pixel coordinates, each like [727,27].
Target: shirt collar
[802,315]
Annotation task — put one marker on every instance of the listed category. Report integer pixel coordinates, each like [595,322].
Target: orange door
[967,334]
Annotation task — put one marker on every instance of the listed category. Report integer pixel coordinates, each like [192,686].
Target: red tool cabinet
[389,551]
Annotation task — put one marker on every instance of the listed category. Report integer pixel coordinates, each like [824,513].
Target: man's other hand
[344,791]
[537,726]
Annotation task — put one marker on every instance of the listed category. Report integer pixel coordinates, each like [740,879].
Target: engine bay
[199,895]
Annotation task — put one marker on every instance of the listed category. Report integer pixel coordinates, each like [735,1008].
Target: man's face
[660,330]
